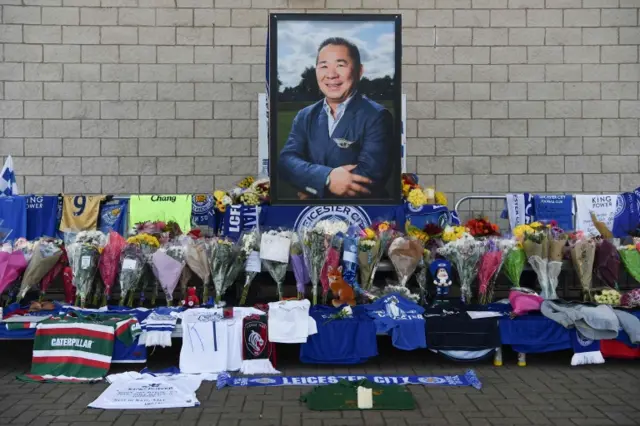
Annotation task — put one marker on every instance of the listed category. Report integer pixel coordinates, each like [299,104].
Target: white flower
[226,200]
[332,227]
[347,311]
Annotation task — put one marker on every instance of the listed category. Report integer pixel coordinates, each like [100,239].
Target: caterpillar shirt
[13,217]
[71,349]
[80,212]
[144,208]
[402,319]
[204,341]
[42,212]
[340,341]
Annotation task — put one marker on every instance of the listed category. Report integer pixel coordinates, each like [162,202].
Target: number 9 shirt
[80,212]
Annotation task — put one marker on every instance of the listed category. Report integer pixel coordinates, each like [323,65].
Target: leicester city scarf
[255,346]
[585,351]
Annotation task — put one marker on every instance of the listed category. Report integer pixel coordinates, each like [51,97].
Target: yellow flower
[218,195]
[417,198]
[369,233]
[536,225]
[441,199]
[405,189]
[383,226]
[520,231]
[246,182]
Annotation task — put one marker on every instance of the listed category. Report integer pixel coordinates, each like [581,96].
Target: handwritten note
[275,248]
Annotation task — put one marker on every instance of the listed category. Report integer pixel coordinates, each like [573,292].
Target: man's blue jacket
[364,136]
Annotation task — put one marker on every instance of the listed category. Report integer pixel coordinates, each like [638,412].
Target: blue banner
[555,207]
[468,379]
[421,216]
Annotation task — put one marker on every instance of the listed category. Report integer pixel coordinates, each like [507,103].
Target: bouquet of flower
[631,299]
[24,248]
[83,260]
[630,257]
[489,267]
[557,241]
[250,246]
[332,260]
[405,254]
[384,234]
[148,244]
[275,246]
[536,247]
[223,256]
[464,253]
[163,231]
[84,254]
[197,257]
[58,268]
[583,253]
[167,264]
[434,242]
[421,275]
[12,265]
[369,247]
[110,262]
[481,227]
[132,262]
[514,264]
[607,263]
[298,265]
[345,312]
[314,254]
[45,256]
[608,296]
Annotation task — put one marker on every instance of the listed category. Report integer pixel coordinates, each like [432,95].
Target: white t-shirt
[204,341]
[234,353]
[289,321]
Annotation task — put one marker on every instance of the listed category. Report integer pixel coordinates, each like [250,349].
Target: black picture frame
[395,185]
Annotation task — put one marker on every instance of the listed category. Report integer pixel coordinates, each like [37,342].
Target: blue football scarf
[554,207]
[468,379]
[350,257]
[534,334]
[585,351]
[627,215]
[113,216]
[527,207]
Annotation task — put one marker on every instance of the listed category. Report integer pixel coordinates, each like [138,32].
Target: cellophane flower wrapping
[332,260]
[422,272]
[110,263]
[314,254]
[148,244]
[536,247]
[12,265]
[275,246]
[490,265]
[464,253]
[368,250]
[331,228]
[167,264]
[83,259]
[405,254]
[250,245]
[132,263]
[45,256]
[607,263]
[514,265]
[298,265]
[631,260]
[57,269]
[385,233]
[223,255]
[583,253]
[197,257]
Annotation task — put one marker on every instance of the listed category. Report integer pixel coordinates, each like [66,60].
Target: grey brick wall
[161,95]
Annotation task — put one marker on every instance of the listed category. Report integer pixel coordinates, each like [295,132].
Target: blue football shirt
[42,213]
[13,217]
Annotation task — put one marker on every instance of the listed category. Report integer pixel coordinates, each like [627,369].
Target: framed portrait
[335,124]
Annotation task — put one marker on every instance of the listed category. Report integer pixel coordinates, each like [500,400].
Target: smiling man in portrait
[340,146]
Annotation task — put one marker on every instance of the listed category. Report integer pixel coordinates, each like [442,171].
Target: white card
[275,248]
[350,256]
[253,264]
[129,264]
[85,262]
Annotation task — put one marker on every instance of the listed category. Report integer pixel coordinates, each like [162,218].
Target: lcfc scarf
[467,379]
[350,257]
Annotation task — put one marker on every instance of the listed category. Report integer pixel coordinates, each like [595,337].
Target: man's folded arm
[375,156]
[293,165]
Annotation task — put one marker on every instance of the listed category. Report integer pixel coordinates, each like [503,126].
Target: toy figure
[441,271]
[192,300]
[342,292]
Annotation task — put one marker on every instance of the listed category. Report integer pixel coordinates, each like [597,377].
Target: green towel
[143,208]
[344,396]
